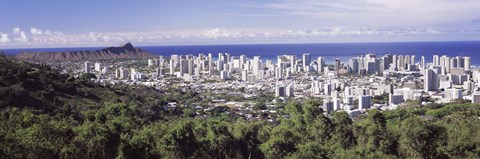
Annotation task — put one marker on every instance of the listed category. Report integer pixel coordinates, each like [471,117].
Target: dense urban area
[187,106]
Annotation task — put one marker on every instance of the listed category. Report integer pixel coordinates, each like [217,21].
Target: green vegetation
[44,114]
[380,99]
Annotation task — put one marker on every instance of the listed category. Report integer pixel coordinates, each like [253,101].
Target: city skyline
[27,24]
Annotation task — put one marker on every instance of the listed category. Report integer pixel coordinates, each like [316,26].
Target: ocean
[330,51]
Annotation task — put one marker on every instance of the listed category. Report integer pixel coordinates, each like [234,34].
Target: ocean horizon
[330,51]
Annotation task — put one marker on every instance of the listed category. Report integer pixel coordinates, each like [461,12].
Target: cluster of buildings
[342,85]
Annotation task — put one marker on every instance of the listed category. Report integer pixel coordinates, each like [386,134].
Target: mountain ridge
[126,51]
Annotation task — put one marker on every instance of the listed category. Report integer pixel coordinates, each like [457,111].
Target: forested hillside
[44,114]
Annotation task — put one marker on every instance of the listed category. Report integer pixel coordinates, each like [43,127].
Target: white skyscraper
[87,67]
[468,61]
[257,64]
[289,90]
[423,63]
[430,80]
[436,60]
[320,65]
[172,67]
[98,67]
[394,62]
[292,64]
[175,58]
[150,62]
[210,59]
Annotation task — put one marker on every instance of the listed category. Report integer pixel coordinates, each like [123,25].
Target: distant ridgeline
[126,51]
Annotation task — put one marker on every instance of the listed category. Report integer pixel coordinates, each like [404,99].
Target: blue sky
[72,23]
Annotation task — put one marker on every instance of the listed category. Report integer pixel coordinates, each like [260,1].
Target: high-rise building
[175,58]
[161,61]
[87,67]
[336,66]
[394,62]
[327,105]
[395,99]
[364,102]
[133,74]
[98,67]
[150,62]
[453,63]
[468,61]
[172,67]
[221,57]
[436,60]
[387,61]
[190,66]
[279,90]
[423,63]
[456,93]
[327,88]
[353,64]
[210,59]
[371,67]
[224,75]
[476,98]
[430,80]
[306,61]
[337,103]
[123,73]
[293,65]
[320,64]
[244,75]
[220,65]
[401,62]
[183,67]
[227,57]
[257,66]
[289,90]
[460,61]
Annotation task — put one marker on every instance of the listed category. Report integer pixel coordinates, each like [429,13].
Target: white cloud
[36,31]
[21,36]
[4,38]
[16,30]
[364,33]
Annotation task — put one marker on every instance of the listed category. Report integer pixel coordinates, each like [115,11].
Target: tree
[260,105]
[342,133]
[421,139]
[187,112]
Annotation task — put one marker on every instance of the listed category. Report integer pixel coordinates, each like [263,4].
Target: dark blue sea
[328,50]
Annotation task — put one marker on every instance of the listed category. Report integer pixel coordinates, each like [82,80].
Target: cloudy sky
[77,23]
